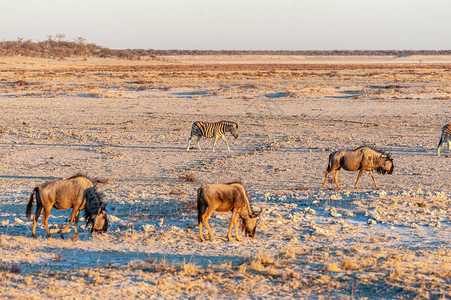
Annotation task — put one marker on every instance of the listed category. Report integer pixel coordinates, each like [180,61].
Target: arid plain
[127,123]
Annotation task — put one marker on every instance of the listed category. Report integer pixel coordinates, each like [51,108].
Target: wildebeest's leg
[35,219]
[200,232]
[358,177]
[205,218]
[189,142]
[233,221]
[325,179]
[224,139]
[72,218]
[336,178]
[237,234]
[45,220]
[374,179]
[77,217]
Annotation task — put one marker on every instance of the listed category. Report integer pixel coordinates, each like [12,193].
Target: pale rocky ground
[129,121]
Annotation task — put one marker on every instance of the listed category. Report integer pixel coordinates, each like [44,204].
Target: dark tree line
[60,49]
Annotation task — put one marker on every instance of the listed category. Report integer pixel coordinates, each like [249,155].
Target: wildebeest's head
[99,222]
[234,130]
[387,165]
[249,225]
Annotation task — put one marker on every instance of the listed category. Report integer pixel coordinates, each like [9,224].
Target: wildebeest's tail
[30,202]
[201,204]
[329,166]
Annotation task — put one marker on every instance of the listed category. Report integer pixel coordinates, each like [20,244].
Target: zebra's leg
[198,144]
[224,139]
[374,179]
[214,143]
[189,142]
[358,177]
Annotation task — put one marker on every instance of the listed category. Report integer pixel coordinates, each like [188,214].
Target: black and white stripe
[212,130]
[445,137]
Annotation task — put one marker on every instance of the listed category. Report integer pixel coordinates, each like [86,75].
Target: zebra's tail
[441,140]
[201,204]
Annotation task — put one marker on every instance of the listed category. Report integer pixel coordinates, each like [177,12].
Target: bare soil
[126,123]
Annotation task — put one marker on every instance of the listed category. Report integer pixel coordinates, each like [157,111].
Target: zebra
[445,137]
[212,130]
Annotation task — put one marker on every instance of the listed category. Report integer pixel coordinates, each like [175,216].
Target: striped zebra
[212,130]
[446,137]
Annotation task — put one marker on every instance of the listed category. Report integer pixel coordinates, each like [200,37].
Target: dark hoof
[34,236]
[75,238]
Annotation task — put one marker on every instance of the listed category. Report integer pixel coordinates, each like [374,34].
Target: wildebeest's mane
[382,152]
[79,175]
[233,182]
[88,212]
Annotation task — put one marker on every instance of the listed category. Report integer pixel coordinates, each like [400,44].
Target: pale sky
[234,24]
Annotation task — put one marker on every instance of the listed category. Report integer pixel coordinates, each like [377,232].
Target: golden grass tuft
[189,269]
[333,268]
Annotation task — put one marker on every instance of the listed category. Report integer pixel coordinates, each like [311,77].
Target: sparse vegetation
[59,48]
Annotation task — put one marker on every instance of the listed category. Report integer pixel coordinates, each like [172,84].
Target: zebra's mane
[229,123]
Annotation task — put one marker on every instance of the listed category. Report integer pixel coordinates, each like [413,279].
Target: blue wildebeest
[223,198]
[363,159]
[77,192]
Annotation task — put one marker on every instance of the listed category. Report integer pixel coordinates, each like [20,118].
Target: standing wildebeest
[212,130]
[445,137]
[362,159]
[77,192]
[222,198]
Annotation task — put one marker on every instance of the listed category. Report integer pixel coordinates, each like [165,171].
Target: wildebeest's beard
[386,166]
[99,222]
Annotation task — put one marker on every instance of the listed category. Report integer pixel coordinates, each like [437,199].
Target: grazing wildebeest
[77,192]
[222,198]
[445,137]
[212,130]
[362,159]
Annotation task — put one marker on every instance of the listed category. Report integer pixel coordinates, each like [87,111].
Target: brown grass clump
[102,180]
[188,177]
[177,192]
